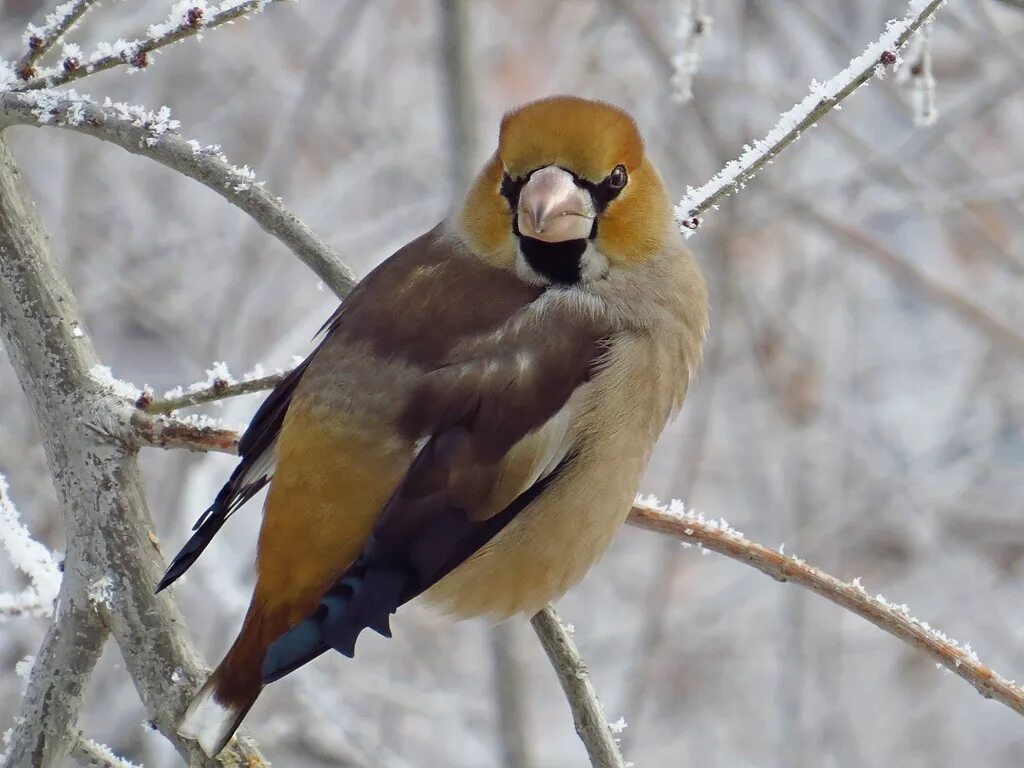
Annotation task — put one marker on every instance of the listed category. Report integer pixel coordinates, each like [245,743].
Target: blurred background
[861,401]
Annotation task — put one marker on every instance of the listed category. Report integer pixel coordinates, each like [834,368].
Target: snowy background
[859,402]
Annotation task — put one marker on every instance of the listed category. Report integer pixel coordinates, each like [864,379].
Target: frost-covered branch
[154,135]
[187,18]
[40,39]
[193,435]
[112,561]
[91,754]
[822,99]
[218,389]
[43,733]
[918,74]
[31,558]
[897,620]
[587,713]
[693,27]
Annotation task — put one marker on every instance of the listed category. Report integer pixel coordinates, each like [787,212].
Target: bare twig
[822,99]
[192,21]
[213,393]
[894,619]
[168,432]
[153,136]
[41,40]
[587,714]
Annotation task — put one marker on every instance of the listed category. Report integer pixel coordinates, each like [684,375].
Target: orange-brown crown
[588,138]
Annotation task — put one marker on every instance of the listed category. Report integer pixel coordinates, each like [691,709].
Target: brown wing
[489,420]
[411,307]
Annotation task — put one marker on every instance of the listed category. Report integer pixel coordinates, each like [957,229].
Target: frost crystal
[101,591]
[102,375]
[24,667]
[29,557]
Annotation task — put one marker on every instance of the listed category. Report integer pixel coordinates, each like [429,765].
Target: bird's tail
[217,709]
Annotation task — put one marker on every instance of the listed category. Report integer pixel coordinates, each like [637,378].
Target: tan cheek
[487,226]
[632,228]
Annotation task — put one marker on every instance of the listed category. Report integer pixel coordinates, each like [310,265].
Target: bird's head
[568,195]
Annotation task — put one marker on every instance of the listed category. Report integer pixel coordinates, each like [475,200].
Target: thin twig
[167,432]
[213,393]
[153,136]
[587,714]
[822,99]
[39,45]
[137,53]
[894,619]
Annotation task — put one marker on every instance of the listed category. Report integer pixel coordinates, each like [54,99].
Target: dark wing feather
[252,473]
[433,521]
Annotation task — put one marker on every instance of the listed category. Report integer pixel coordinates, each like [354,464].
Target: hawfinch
[476,420]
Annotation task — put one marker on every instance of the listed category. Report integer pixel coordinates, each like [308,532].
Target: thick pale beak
[552,208]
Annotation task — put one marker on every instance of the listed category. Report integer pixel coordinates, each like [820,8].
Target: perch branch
[42,39]
[587,714]
[153,136]
[894,619]
[189,22]
[822,99]
[890,618]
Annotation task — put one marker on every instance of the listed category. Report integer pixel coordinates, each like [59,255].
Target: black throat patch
[558,262]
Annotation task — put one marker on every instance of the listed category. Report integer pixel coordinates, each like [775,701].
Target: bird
[475,421]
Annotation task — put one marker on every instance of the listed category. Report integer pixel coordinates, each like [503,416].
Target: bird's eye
[618,177]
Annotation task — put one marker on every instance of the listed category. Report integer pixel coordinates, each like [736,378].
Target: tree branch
[153,135]
[41,39]
[587,714]
[112,557]
[822,99]
[190,22]
[217,391]
[894,619]
[168,432]
[44,732]
[90,754]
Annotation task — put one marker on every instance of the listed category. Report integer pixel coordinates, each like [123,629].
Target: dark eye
[618,177]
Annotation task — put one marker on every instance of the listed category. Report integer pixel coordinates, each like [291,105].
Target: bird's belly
[541,554]
[549,546]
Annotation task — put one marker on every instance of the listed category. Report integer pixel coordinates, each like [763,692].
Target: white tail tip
[209,721]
